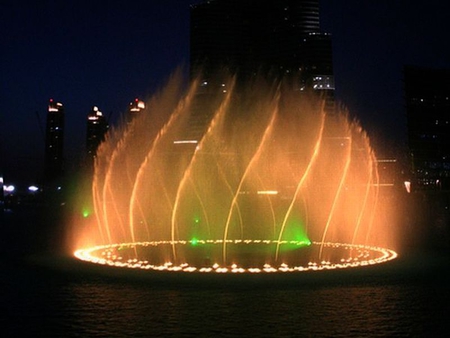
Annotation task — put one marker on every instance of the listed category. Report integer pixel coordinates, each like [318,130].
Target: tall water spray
[255,177]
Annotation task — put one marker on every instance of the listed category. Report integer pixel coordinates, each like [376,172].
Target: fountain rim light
[88,255]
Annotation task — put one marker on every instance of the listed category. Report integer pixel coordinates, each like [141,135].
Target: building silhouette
[273,39]
[134,108]
[54,142]
[277,38]
[427,95]
[96,128]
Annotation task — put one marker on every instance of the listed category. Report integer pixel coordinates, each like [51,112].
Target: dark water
[46,294]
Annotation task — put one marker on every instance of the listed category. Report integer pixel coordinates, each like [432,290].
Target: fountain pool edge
[101,255]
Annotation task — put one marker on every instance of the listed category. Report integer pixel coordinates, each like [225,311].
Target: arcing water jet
[272,183]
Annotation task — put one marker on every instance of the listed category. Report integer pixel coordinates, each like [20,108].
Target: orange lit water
[271,164]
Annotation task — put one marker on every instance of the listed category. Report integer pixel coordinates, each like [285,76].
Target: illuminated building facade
[134,109]
[97,126]
[427,94]
[54,142]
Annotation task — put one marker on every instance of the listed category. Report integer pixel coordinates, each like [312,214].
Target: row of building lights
[94,117]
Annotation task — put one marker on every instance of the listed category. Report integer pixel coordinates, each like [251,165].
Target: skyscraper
[54,142]
[97,126]
[277,38]
[134,108]
[427,94]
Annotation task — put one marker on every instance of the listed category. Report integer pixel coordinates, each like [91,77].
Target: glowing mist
[236,179]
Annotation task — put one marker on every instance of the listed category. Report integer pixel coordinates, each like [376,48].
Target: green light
[86,213]
[197,220]
[304,242]
[295,231]
[301,237]
[194,241]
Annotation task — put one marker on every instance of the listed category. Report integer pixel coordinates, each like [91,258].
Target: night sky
[86,53]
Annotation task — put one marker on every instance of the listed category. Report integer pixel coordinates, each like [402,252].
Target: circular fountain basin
[252,256]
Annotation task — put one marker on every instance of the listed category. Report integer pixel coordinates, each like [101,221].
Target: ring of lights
[109,255]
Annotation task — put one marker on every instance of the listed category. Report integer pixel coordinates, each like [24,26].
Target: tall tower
[134,108]
[54,142]
[97,126]
[427,94]
[277,38]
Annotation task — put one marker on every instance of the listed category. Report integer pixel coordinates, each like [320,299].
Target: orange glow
[266,172]
[360,255]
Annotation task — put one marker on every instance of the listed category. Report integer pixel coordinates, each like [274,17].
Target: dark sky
[85,53]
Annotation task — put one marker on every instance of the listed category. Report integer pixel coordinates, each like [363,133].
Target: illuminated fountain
[274,184]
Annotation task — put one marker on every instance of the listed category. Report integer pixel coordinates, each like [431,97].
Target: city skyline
[108,56]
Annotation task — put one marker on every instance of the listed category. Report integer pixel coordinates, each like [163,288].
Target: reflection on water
[406,298]
[50,303]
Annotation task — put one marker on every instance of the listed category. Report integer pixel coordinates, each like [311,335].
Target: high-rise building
[54,142]
[427,94]
[134,108]
[97,126]
[277,38]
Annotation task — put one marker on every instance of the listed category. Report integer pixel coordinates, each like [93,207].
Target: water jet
[271,182]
